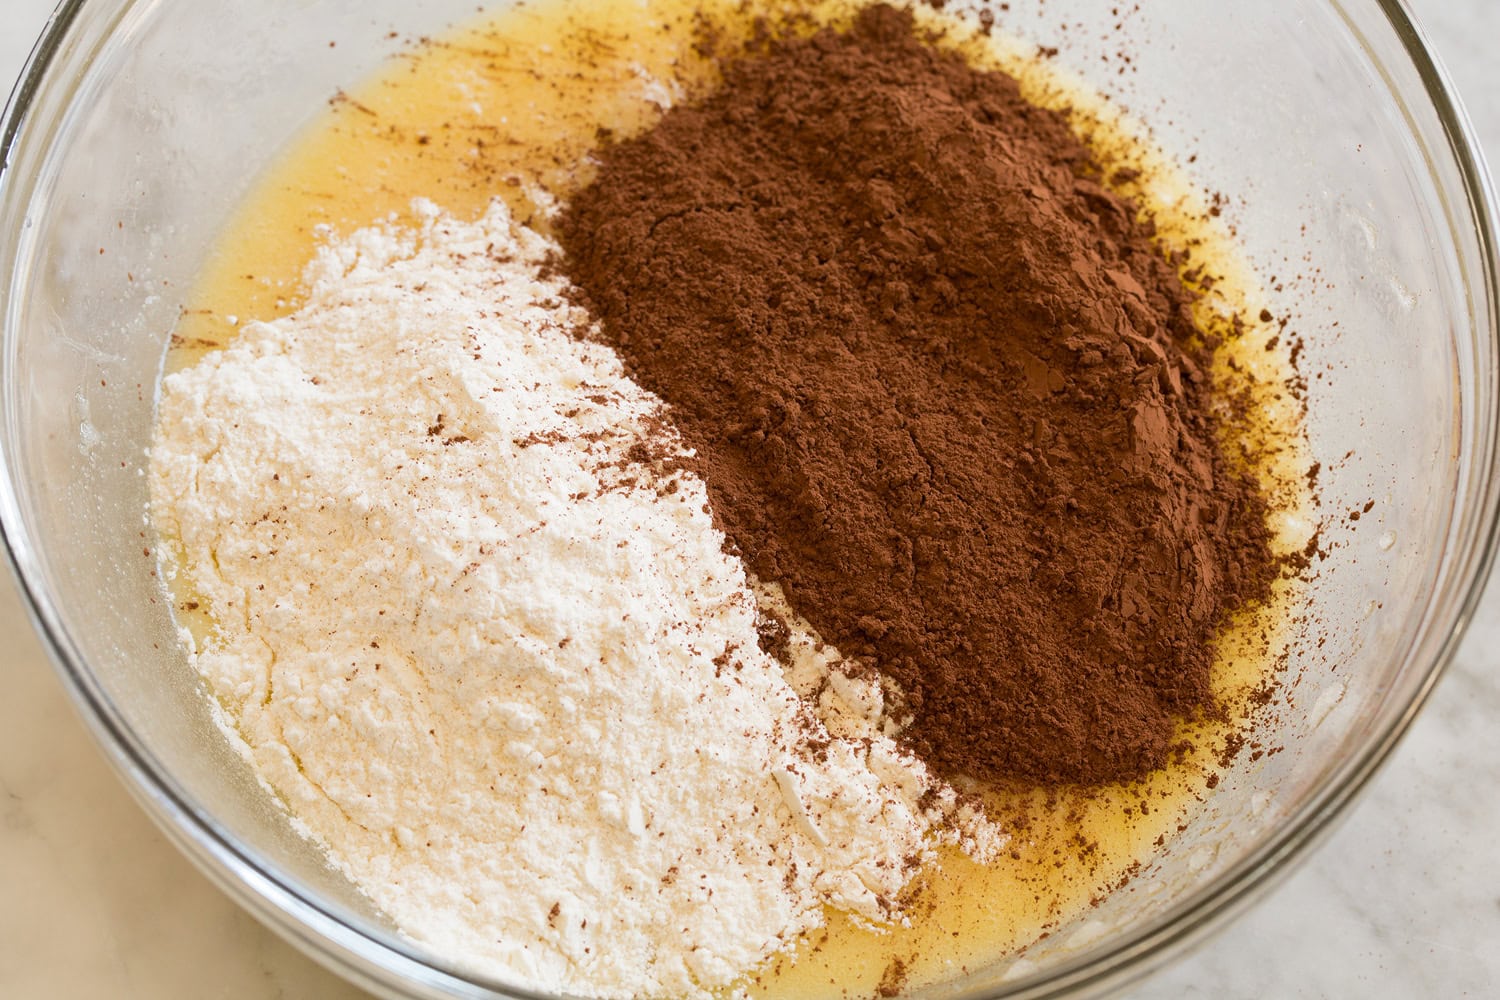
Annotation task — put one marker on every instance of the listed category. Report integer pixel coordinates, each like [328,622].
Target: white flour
[501,670]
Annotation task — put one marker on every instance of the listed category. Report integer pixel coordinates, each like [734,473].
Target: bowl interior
[1350,190]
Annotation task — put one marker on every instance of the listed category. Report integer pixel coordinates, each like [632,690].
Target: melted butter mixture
[511,106]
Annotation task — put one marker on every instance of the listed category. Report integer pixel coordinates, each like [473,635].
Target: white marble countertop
[1402,901]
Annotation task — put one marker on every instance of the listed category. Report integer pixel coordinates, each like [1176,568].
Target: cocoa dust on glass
[942,387]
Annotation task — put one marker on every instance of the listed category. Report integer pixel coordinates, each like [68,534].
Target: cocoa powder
[942,387]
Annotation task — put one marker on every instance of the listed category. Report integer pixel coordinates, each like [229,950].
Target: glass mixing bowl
[1355,189]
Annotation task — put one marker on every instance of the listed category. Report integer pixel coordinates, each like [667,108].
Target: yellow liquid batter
[510,106]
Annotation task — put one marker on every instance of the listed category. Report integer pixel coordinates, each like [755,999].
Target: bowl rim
[370,956]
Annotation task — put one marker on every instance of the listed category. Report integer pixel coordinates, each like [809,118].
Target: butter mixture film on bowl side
[700,498]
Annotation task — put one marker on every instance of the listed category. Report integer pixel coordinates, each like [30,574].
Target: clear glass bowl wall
[141,123]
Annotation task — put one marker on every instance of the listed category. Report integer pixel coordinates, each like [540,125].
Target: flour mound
[488,648]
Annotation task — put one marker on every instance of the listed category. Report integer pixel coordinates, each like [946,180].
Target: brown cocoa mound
[942,387]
